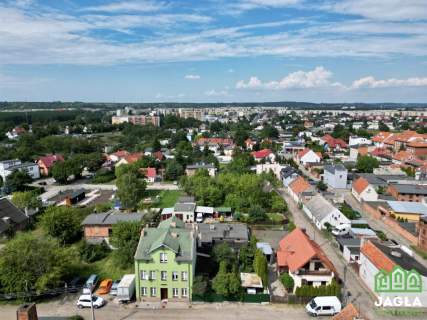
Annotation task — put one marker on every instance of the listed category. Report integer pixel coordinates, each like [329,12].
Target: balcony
[304,272]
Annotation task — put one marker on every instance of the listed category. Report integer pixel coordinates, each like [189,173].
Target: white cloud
[371,82]
[192,77]
[128,6]
[215,93]
[246,5]
[318,77]
[393,10]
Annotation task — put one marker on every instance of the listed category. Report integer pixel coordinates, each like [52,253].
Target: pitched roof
[261,153]
[111,217]
[320,208]
[360,185]
[299,185]
[296,249]
[377,257]
[303,152]
[49,160]
[348,313]
[9,210]
[219,141]
[381,136]
[133,157]
[151,172]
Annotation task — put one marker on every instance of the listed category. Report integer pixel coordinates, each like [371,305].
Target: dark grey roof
[411,189]
[349,242]
[287,172]
[185,207]
[332,168]
[9,210]
[111,217]
[186,199]
[404,260]
[207,232]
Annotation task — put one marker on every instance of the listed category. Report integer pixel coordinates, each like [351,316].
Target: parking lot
[223,311]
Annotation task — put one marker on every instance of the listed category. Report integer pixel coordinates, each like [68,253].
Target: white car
[323,306]
[84,301]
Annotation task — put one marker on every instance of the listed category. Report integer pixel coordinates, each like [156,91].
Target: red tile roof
[303,152]
[333,142]
[348,313]
[133,157]
[296,249]
[381,136]
[360,185]
[49,160]
[261,154]
[377,257]
[299,185]
[151,172]
[220,141]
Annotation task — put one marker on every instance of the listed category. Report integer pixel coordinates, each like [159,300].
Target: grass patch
[276,218]
[107,268]
[422,253]
[168,198]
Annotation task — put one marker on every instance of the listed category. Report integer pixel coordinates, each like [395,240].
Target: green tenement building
[165,262]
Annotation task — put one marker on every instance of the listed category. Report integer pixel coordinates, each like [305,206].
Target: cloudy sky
[213,50]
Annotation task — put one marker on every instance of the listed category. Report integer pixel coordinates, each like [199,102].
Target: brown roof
[348,313]
[377,257]
[360,184]
[299,185]
[296,249]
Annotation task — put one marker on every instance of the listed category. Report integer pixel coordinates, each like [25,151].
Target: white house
[307,156]
[363,191]
[267,167]
[354,141]
[8,166]
[335,176]
[321,212]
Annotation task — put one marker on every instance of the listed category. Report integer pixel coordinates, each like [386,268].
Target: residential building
[322,213]
[362,190]
[150,174]
[184,210]
[355,141]
[287,175]
[8,166]
[191,169]
[308,156]
[299,189]
[165,262]
[11,217]
[15,133]
[404,210]
[350,248]
[47,162]
[137,120]
[377,256]
[332,143]
[209,234]
[407,192]
[98,227]
[130,158]
[304,260]
[335,176]
[422,233]
[264,155]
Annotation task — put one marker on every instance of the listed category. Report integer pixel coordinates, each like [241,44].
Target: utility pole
[91,305]
[344,288]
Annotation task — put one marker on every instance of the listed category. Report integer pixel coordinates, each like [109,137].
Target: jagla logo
[400,281]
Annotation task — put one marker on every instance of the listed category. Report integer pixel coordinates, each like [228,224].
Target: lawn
[168,198]
[108,269]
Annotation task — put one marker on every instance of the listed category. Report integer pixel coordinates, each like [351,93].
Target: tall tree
[125,238]
[17,181]
[130,189]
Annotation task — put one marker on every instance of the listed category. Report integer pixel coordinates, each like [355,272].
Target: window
[175,292]
[184,292]
[175,276]
[153,291]
[143,291]
[163,257]
[164,275]
[184,276]
[144,275]
[152,275]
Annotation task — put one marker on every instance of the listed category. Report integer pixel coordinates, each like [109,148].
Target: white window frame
[144,275]
[163,257]
[164,275]
[152,275]
[184,275]
[175,292]
[153,291]
[175,276]
[144,291]
[184,292]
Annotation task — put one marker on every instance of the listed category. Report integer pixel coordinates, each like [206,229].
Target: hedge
[248,298]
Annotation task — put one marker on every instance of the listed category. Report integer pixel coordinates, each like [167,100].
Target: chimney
[142,233]
[27,311]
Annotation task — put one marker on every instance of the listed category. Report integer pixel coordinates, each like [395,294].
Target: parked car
[105,286]
[341,230]
[84,301]
[90,284]
[75,284]
[323,306]
[114,286]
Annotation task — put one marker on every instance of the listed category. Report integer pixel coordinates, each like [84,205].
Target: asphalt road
[226,311]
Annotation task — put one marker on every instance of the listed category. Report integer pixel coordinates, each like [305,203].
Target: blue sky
[213,51]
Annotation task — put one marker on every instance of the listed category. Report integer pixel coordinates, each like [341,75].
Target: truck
[126,288]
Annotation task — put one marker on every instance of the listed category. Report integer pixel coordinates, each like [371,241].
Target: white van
[323,306]
[341,230]
[199,218]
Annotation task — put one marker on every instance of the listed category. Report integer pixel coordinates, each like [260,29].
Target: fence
[34,295]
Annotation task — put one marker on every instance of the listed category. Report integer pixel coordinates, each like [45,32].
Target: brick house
[47,162]
[422,235]
[407,192]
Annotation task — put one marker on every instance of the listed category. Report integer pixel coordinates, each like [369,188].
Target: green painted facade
[165,262]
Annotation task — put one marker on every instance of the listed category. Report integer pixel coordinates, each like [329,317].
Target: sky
[213,51]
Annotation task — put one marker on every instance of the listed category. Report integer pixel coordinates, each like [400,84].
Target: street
[220,311]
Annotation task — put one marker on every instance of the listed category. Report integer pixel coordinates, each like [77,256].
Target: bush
[334,289]
[103,176]
[76,317]
[287,282]
[93,252]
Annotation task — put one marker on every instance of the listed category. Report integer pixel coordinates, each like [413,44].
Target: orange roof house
[377,257]
[46,163]
[299,185]
[348,313]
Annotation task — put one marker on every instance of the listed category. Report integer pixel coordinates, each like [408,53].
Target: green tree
[367,164]
[173,170]
[17,181]
[33,262]
[322,186]
[383,127]
[200,285]
[257,214]
[26,199]
[287,281]
[64,223]
[261,267]
[130,189]
[220,281]
[125,237]
[223,252]
[60,172]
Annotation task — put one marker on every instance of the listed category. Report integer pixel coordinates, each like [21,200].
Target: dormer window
[163,257]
